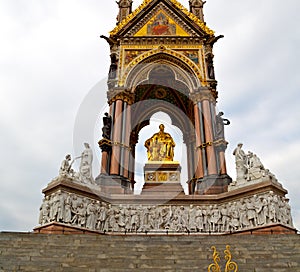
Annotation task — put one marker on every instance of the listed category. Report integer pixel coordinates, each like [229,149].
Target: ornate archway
[164,82]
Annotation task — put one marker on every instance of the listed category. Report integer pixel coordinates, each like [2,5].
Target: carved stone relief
[254,211]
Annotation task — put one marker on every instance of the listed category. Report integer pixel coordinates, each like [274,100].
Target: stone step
[44,252]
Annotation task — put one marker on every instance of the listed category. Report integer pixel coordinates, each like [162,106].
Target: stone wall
[122,253]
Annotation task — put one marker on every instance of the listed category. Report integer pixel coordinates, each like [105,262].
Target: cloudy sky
[52,85]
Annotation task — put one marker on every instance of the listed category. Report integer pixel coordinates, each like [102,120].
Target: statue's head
[86,145]
[161,127]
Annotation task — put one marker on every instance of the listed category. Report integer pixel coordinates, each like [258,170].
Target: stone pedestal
[162,178]
[70,207]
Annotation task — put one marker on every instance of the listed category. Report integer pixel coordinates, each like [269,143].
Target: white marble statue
[85,168]
[249,169]
[240,162]
[84,174]
[65,170]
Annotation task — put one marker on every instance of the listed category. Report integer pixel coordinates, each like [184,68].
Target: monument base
[70,207]
[162,177]
[113,184]
[211,185]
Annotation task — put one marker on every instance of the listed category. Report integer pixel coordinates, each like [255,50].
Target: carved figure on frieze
[192,226]
[261,207]
[121,218]
[220,123]
[75,203]
[153,222]
[205,220]
[134,223]
[288,213]
[44,211]
[114,220]
[160,147]
[251,211]
[68,209]
[243,218]
[272,209]
[128,219]
[215,217]
[225,218]
[234,217]
[91,212]
[57,207]
[102,215]
[199,219]
[81,218]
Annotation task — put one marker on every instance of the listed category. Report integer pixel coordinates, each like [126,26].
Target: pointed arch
[185,70]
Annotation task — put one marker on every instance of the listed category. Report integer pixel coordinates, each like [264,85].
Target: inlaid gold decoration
[161,24]
[230,266]
[214,267]
[122,145]
[179,6]
[215,143]
[160,93]
[167,46]
[149,53]
[110,143]
[205,145]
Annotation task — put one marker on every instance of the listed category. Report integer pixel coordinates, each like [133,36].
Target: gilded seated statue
[160,147]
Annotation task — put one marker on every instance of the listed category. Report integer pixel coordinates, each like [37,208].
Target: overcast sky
[52,84]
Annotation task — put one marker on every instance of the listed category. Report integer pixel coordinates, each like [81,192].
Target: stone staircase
[122,253]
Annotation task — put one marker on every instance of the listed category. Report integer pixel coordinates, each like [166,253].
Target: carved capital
[120,94]
[203,94]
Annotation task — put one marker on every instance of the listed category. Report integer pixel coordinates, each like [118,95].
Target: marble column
[199,171]
[116,139]
[209,138]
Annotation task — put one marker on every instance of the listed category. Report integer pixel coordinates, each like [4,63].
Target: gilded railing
[230,265]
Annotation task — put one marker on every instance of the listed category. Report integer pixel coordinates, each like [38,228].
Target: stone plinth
[158,171]
[162,178]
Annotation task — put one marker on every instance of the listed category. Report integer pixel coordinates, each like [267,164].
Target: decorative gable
[161,25]
[160,18]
